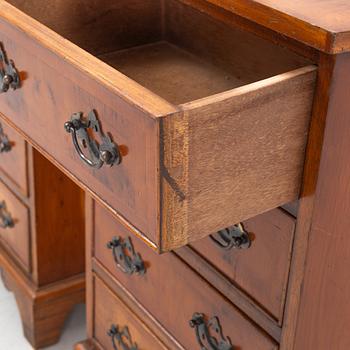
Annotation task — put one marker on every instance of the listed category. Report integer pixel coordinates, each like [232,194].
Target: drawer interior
[171,48]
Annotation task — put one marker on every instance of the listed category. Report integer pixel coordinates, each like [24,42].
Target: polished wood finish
[171,186]
[307,201]
[324,308]
[13,164]
[262,270]
[59,223]
[43,310]
[42,256]
[109,310]
[16,239]
[323,25]
[167,278]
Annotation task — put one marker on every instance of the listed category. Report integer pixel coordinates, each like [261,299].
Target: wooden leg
[43,310]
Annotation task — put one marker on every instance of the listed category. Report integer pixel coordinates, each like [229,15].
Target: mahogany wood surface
[110,310]
[262,270]
[13,164]
[17,238]
[167,278]
[58,216]
[324,25]
[324,312]
[307,201]
[47,243]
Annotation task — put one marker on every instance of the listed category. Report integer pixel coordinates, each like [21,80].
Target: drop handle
[107,152]
[121,338]
[6,220]
[5,144]
[9,76]
[209,334]
[125,257]
[232,237]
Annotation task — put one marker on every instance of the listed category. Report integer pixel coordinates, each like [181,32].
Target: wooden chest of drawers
[171,292]
[191,124]
[41,228]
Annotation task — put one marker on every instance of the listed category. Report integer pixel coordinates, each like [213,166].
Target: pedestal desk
[211,140]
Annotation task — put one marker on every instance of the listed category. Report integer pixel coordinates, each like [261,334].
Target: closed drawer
[170,290]
[13,162]
[262,269]
[210,122]
[114,321]
[14,226]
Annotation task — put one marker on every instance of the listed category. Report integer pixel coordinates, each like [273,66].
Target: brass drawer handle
[9,76]
[6,220]
[125,257]
[232,237]
[203,333]
[122,338]
[5,144]
[105,153]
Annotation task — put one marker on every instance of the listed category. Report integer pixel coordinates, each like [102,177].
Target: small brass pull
[121,339]
[9,76]
[204,329]
[232,237]
[6,220]
[125,257]
[5,144]
[105,153]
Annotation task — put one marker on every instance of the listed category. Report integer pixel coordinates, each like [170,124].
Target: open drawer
[206,124]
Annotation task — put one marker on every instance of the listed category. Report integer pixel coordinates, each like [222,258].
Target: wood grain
[245,56]
[324,312]
[307,201]
[17,238]
[58,215]
[208,185]
[109,310]
[172,292]
[54,91]
[99,26]
[262,270]
[324,25]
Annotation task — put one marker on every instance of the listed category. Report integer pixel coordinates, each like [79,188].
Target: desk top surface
[322,24]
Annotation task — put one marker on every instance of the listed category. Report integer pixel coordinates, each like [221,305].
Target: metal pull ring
[9,76]
[232,237]
[125,257]
[121,338]
[6,220]
[5,144]
[105,153]
[203,333]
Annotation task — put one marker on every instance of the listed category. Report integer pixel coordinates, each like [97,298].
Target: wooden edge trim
[242,90]
[281,22]
[115,81]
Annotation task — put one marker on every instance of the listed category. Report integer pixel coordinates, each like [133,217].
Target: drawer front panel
[262,269]
[110,311]
[13,161]
[52,90]
[172,292]
[15,236]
